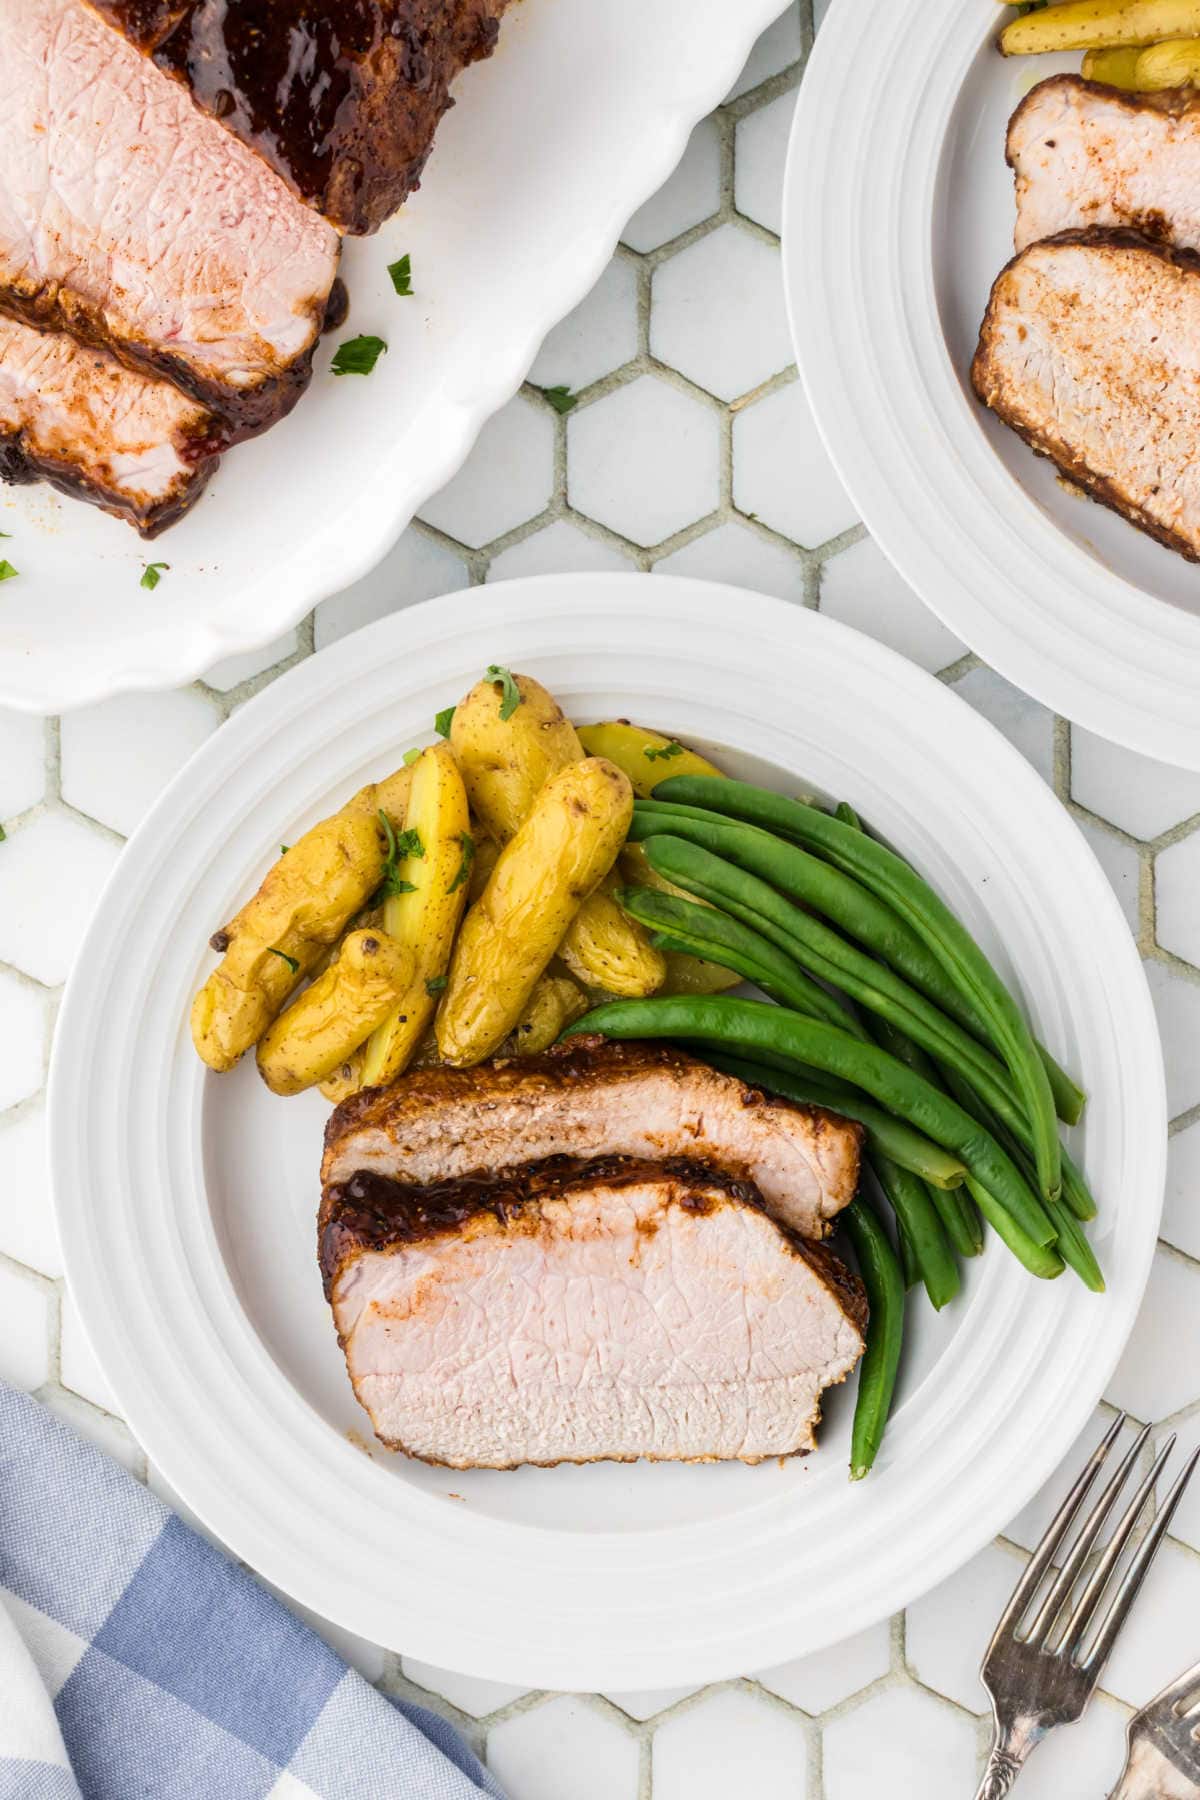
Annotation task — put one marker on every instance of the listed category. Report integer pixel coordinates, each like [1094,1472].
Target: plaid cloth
[138,1663]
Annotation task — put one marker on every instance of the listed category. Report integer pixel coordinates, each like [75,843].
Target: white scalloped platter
[555,141]
[187,1202]
[898,215]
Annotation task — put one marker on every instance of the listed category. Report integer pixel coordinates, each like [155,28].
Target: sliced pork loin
[584,1311]
[76,417]
[342,99]
[1086,155]
[130,219]
[593,1098]
[1090,350]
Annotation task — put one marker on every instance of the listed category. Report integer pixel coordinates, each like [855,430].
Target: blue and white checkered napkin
[138,1663]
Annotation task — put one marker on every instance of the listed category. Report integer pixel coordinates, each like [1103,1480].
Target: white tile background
[690,448]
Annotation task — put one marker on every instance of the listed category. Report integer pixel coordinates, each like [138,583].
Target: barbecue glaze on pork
[1090,350]
[342,98]
[133,221]
[593,1098]
[77,418]
[1087,155]
[580,1311]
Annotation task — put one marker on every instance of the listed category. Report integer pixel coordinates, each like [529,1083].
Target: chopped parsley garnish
[668,750]
[464,867]
[401,274]
[444,720]
[560,398]
[3,835]
[358,356]
[398,848]
[5,534]
[284,848]
[409,844]
[412,756]
[510,693]
[436,985]
[283,956]
[152,574]
[6,571]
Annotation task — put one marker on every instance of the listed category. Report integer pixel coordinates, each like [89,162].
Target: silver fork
[1037,1670]
[1164,1745]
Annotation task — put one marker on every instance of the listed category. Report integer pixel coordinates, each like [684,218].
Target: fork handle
[1011,1744]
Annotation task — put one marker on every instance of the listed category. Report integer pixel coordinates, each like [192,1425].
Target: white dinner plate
[555,141]
[898,216]
[187,1202]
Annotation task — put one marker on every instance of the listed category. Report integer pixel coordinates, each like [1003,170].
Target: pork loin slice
[1090,350]
[584,1311]
[76,417]
[594,1098]
[131,220]
[1086,155]
[342,99]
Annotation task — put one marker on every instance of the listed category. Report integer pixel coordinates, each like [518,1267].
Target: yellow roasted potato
[543,875]
[1167,66]
[278,937]
[1100,25]
[389,795]
[505,763]
[318,1031]
[1116,68]
[555,1003]
[647,757]
[486,852]
[431,883]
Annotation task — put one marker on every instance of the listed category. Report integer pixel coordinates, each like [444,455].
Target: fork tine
[1057,1529]
[1085,1608]
[1177,1692]
[1068,1575]
[1135,1574]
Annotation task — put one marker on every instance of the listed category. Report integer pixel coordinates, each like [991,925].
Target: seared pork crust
[1085,155]
[582,1312]
[1090,351]
[373,1212]
[341,99]
[590,1098]
[78,419]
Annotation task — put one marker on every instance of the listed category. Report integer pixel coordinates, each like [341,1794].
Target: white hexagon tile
[662,427]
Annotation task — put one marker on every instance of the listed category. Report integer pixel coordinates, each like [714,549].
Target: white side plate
[555,142]
[187,1202]
[898,216]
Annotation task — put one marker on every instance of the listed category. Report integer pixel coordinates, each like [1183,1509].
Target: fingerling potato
[1116,68]
[555,1003]
[279,936]
[567,844]
[684,974]
[1100,25]
[601,951]
[1168,66]
[506,762]
[424,912]
[647,757]
[318,1031]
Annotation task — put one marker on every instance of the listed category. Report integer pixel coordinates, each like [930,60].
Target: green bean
[920,1228]
[744,880]
[884,1283]
[703,931]
[755,1025]
[886,1136]
[857,911]
[894,881]
[908,1258]
[957,1211]
[1042,1260]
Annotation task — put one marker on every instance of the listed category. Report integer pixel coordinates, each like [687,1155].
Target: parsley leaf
[284,848]
[6,571]
[398,848]
[401,274]
[464,867]
[5,534]
[412,756]
[152,574]
[358,356]
[436,985]
[409,844]
[444,720]
[3,835]
[561,398]
[283,956]
[510,697]
[667,751]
